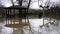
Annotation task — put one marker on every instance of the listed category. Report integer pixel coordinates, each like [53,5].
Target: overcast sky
[52,3]
[33,5]
[7,3]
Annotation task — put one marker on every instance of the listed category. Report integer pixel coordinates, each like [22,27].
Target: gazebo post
[6,15]
[20,15]
[14,15]
[11,16]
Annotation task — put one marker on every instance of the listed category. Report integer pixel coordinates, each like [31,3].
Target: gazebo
[17,12]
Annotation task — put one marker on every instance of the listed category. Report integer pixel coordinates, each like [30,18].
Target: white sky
[7,3]
[52,3]
[34,3]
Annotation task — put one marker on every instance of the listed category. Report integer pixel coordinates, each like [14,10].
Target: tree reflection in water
[35,24]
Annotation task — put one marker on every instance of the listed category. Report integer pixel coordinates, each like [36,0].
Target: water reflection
[34,28]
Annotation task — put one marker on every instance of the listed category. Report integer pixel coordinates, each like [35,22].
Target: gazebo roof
[15,7]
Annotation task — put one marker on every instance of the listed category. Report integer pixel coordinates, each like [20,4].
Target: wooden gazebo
[15,14]
[22,13]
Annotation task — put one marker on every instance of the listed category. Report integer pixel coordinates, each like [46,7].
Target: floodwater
[35,26]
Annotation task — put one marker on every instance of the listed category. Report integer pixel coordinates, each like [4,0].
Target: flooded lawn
[35,26]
